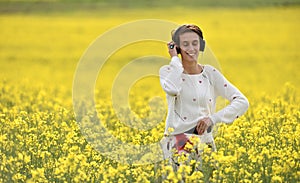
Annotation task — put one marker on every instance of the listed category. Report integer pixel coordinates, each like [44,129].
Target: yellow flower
[18,177]
[172,177]
[276,179]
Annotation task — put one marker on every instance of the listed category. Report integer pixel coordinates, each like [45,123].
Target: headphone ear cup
[202,44]
[178,50]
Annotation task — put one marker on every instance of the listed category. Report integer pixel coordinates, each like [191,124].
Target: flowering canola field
[40,140]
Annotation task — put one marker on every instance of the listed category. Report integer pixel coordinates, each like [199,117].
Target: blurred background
[71,5]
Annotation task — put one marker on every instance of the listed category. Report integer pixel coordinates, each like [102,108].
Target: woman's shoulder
[212,72]
[209,68]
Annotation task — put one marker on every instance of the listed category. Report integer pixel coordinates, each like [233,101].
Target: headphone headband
[188,28]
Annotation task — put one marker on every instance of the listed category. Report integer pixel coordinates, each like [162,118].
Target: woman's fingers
[201,127]
[203,124]
[172,49]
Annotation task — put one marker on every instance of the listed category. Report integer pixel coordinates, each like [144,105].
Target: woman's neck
[191,68]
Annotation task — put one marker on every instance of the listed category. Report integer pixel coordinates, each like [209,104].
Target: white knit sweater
[192,97]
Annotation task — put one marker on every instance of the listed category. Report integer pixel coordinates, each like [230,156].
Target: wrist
[208,122]
[213,119]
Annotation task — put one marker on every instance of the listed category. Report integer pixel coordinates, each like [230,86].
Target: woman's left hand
[203,124]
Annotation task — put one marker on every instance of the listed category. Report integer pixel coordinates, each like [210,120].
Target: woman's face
[189,45]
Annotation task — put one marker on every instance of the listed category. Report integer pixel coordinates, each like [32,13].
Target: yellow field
[40,141]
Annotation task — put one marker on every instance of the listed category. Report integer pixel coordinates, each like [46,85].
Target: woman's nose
[190,48]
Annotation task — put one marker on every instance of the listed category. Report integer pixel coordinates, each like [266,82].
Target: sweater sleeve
[238,102]
[170,76]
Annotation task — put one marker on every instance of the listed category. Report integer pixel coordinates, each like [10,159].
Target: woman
[192,90]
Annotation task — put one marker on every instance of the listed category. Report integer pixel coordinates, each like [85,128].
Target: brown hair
[183,29]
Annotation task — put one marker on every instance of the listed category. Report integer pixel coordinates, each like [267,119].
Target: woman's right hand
[203,125]
[172,49]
